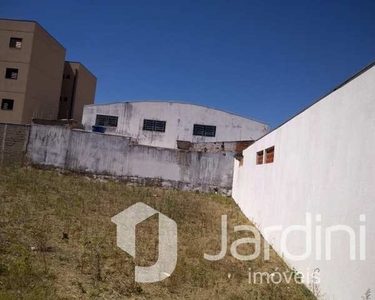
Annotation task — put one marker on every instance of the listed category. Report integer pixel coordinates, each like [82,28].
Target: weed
[367,295]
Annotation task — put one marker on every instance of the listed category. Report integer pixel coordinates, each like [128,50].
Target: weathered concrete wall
[13,143]
[114,155]
[48,145]
[180,119]
[323,165]
[235,147]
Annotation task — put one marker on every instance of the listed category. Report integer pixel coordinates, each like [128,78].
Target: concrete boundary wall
[235,147]
[13,143]
[323,166]
[113,155]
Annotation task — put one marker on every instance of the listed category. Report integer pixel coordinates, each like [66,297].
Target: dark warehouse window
[104,120]
[154,125]
[204,130]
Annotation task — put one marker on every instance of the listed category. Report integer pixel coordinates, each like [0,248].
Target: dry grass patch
[57,241]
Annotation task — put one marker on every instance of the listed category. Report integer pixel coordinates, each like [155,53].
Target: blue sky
[261,59]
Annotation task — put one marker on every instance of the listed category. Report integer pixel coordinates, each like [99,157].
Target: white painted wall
[324,164]
[115,155]
[180,120]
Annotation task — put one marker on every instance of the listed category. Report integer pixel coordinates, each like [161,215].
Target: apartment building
[32,67]
[77,90]
[31,64]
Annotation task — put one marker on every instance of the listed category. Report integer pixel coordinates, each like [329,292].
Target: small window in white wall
[105,120]
[154,125]
[260,157]
[204,130]
[270,155]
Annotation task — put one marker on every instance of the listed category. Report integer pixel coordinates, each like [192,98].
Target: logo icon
[126,222]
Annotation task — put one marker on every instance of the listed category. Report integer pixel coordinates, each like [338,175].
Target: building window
[11,73]
[108,121]
[154,125]
[204,130]
[270,155]
[15,43]
[260,156]
[7,104]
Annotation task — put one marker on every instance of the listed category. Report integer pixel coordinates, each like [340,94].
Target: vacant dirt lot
[57,241]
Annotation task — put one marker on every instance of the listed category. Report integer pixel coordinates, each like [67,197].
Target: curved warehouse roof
[176,102]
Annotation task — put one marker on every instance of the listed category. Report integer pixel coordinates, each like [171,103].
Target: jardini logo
[126,222]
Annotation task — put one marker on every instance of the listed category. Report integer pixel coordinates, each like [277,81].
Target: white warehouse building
[162,123]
